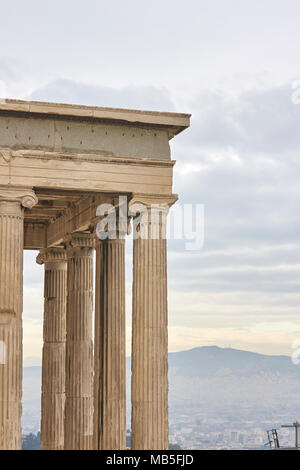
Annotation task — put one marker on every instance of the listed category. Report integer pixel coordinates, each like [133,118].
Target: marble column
[79,346]
[149,386]
[54,348]
[110,344]
[12,204]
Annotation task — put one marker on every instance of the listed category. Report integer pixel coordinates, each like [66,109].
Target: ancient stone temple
[58,165]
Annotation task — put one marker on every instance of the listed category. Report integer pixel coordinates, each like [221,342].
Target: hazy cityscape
[214,405]
[196,429]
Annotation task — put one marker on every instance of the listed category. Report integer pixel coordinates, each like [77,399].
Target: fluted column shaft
[11,307]
[79,352]
[54,348]
[110,347]
[150,339]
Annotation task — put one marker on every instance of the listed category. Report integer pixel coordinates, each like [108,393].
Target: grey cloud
[240,158]
[266,256]
[251,192]
[256,280]
[257,121]
[69,91]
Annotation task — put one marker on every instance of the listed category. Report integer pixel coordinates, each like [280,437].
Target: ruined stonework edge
[9,154]
[175,121]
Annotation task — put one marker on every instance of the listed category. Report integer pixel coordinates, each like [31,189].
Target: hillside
[209,378]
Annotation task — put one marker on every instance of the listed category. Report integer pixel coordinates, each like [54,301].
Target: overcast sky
[232,64]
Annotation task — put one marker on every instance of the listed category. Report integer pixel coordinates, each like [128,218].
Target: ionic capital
[51,255]
[149,214]
[25,196]
[79,242]
[153,200]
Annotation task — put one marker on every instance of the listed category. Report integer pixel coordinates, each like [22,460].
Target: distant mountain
[209,377]
[207,360]
[214,376]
